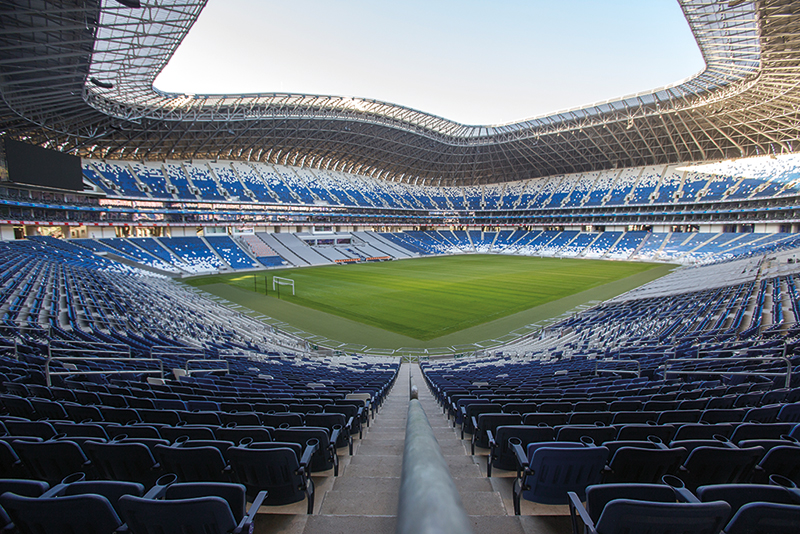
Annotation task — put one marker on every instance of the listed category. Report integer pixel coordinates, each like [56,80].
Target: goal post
[278,281]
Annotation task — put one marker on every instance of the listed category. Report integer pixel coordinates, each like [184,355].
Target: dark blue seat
[651,508]
[781,460]
[719,465]
[200,418]
[88,430]
[643,465]
[325,456]
[501,455]
[124,461]
[237,433]
[277,420]
[279,468]
[598,434]
[757,508]
[641,432]
[751,431]
[486,422]
[765,518]
[790,413]
[39,429]
[550,470]
[470,413]
[240,418]
[193,464]
[333,421]
[692,431]
[351,413]
[48,409]
[206,508]
[51,461]
[172,433]
[87,514]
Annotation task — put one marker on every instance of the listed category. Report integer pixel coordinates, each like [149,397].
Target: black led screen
[29,164]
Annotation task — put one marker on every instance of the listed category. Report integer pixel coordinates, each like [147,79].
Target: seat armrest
[308,452]
[576,506]
[335,435]
[521,456]
[682,494]
[245,525]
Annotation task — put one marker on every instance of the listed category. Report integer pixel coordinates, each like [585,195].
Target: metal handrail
[167,350]
[189,372]
[48,373]
[429,499]
[125,352]
[787,374]
[637,372]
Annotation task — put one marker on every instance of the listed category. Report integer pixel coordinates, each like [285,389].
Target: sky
[475,62]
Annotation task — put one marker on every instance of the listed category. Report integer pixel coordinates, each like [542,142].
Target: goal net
[278,281]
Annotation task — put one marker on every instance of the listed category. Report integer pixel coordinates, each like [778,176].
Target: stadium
[300,313]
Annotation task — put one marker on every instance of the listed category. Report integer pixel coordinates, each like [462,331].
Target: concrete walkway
[364,497]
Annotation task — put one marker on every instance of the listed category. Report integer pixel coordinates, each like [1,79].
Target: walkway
[364,497]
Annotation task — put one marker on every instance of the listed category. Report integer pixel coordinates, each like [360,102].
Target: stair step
[349,524]
[367,503]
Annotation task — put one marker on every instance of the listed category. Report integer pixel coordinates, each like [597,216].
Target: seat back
[503,456]
[48,409]
[490,422]
[765,517]
[520,407]
[782,460]
[123,461]
[273,469]
[172,433]
[209,515]
[627,515]
[719,465]
[284,418]
[737,495]
[643,465]
[790,413]
[558,469]
[322,460]
[598,434]
[87,514]
[234,494]
[193,464]
[599,495]
[39,429]
[640,432]
[51,460]
[110,489]
[749,431]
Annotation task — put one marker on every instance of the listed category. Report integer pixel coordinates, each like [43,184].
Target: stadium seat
[207,508]
[625,508]
[280,469]
[550,470]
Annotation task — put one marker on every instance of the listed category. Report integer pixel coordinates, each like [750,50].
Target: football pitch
[428,298]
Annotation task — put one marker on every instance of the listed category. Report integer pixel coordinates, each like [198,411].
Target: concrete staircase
[365,495]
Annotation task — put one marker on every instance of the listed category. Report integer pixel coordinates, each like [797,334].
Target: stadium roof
[78,75]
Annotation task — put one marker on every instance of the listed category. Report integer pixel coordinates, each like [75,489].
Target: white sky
[475,62]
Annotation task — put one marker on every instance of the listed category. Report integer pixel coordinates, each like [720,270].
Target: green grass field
[428,298]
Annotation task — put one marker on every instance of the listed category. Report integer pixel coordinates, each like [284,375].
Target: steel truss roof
[77,75]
